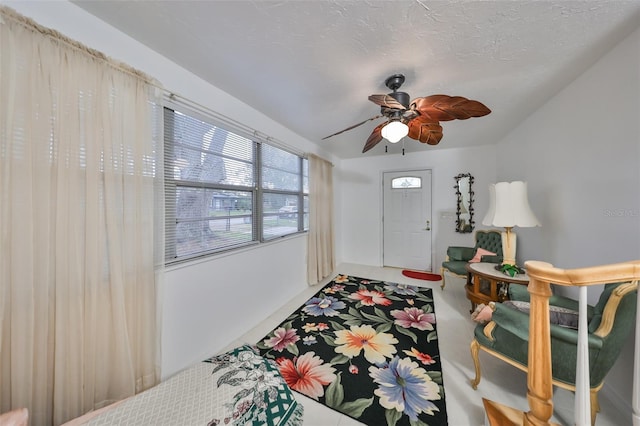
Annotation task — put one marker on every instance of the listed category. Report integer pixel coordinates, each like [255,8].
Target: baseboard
[620,402]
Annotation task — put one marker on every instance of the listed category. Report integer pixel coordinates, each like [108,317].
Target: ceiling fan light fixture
[394,131]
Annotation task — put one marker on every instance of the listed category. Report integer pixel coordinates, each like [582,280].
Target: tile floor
[500,381]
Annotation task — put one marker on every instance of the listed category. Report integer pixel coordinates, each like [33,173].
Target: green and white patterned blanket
[236,388]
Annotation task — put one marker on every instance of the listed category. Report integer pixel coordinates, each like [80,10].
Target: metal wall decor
[464,207]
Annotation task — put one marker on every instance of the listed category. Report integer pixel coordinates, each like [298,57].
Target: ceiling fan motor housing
[394,82]
[401,97]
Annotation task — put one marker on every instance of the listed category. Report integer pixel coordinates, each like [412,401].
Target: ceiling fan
[418,119]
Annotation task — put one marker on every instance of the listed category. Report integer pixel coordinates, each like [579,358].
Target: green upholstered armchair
[458,257]
[610,323]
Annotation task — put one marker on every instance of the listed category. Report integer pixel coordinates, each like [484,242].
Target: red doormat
[419,275]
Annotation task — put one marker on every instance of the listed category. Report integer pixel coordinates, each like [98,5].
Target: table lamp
[509,207]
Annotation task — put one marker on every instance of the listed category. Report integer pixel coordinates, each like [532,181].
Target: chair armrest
[491,259]
[564,302]
[517,323]
[570,336]
[512,320]
[460,253]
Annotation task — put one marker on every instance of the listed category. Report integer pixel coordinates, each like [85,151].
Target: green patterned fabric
[238,387]
[260,395]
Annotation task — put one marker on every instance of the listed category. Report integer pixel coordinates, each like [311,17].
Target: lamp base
[508,247]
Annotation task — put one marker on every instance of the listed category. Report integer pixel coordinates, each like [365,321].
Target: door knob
[428,228]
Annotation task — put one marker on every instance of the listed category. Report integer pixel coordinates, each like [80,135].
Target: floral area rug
[365,348]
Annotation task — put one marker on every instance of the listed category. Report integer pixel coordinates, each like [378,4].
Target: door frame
[409,170]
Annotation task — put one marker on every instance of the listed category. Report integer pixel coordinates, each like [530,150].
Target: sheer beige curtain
[80,225]
[320,241]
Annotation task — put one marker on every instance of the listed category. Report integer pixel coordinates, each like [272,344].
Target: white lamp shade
[394,131]
[509,206]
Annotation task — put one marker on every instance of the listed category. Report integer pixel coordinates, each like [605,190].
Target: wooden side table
[486,284]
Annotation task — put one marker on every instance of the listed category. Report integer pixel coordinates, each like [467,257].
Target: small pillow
[563,317]
[479,253]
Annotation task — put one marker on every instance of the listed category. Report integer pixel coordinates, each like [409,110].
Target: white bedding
[237,388]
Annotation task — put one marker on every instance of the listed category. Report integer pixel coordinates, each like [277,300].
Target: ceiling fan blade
[425,130]
[386,101]
[374,138]
[445,108]
[352,127]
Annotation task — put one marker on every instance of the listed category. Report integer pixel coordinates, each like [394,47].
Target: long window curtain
[80,225]
[320,241]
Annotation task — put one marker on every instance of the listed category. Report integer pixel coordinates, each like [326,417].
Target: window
[406,182]
[224,190]
[283,188]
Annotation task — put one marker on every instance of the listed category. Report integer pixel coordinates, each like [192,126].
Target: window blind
[224,190]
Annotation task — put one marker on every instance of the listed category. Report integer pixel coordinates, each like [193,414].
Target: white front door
[407,219]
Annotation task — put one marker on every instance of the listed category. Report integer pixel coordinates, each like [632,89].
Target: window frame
[172,186]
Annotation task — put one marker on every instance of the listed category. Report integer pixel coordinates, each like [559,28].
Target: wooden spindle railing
[539,378]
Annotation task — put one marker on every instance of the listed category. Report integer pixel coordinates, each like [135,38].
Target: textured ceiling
[310,65]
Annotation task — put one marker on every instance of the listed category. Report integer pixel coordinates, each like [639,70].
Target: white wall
[580,154]
[360,198]
[209,304]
